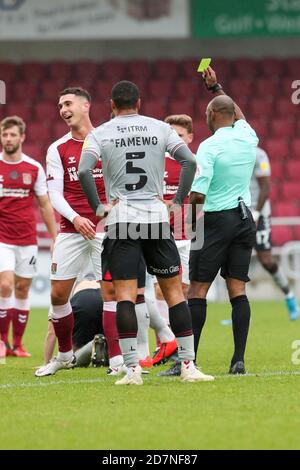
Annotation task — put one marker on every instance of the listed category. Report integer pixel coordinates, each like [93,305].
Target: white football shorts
[22,260]
[72,253]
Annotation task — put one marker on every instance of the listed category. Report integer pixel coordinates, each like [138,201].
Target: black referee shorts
[228,244]
[123,253]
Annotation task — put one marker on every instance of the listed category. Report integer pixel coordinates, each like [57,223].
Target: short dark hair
[125,95]
[78,91]
[12,121]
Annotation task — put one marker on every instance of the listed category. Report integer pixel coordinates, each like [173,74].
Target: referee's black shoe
[237,369]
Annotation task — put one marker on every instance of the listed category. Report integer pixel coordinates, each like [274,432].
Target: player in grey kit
[132,149]
[261,210]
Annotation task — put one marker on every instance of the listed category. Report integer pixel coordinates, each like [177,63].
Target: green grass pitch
[83,409]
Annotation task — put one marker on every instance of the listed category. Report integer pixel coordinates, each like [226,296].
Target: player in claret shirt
[79,240]
[21,180]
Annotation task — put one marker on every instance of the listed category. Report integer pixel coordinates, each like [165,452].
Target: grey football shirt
[132,149]
[262,168]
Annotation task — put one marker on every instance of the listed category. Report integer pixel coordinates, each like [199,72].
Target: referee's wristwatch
[256,216]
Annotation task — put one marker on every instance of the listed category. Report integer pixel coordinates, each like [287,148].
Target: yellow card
[204,64]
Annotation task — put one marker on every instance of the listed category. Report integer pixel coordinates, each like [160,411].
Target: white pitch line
[40,383]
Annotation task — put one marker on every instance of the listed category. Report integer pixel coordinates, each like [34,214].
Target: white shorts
[21,260]
[72,254]
[184,247]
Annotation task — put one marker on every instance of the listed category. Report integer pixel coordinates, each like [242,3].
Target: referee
[227,161]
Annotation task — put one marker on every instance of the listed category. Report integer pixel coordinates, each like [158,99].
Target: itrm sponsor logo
[2,92]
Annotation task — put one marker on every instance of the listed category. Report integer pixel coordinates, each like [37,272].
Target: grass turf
[83,409]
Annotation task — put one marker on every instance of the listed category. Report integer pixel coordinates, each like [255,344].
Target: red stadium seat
[281,235]
[285,209]
[154,109]
[85,68]
[26,91]
[46,112]
[270,67]
[59,130]
[277,172]
[275,192]
[38,132]
[297,233]
[241,87]
[17,109]
[295,149]
[186,87]
[102,89]
[167,68]
[35,151]
[200,108]
[50,90]
[247,68]
[292,169]
[266,87]
[180,107]
[261,127]
[59,70]
[139,69]
[290,191]
[292,68]
[8,71]
[33,71]
[285,108]
[260,108]
[189,67]
[100,112]
[282,128]
[113,69]
[160,89]
[277,149]
[201,130]
[223,68]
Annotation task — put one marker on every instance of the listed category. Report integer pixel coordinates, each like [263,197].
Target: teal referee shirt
[225,164]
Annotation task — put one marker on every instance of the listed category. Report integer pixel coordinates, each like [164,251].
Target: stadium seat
[160,89]
[33,71]
[292,68]
[274,193]
[186,87]
[240,87]
[26,91]
[8,71]
[295,149]
[154,109]
[100,112]
[84,69]
[285,108]
[188,67]
[260,108]
[114,70]
[297,233]
[38,132]
[266,87]
[290,191]
[35,151]
[261,127]
[277,171]
[281,127]
[247,68]
[200,108]
[102,89]
[277,149]
[223,68]
[285,209]
[59,129]
[46,111]
[271,67]
[17,109]
[286,87]
[281,235]
[201,131]
[59,70]
[180,107]
[292,170]
[139,69]
[166,68]
[51,89]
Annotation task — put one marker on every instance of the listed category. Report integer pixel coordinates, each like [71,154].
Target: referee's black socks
[241,314]
[198,308]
